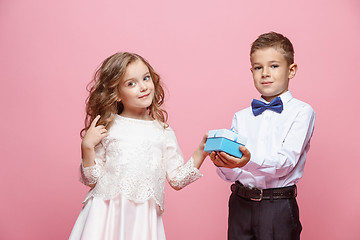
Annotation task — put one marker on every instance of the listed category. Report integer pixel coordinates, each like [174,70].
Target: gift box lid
[229,134]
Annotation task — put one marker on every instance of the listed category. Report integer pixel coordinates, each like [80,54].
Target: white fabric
[132,164]
[118,219]
[278,144]
[135,159]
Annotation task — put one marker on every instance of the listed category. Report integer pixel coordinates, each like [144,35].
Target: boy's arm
[287,157]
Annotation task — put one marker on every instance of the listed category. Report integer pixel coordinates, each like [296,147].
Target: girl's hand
[199,155]
[222,159]
[94,134]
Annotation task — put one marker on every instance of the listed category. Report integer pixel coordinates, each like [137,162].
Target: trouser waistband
[256,194]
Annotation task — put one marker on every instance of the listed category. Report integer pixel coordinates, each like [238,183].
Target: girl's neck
[143,115]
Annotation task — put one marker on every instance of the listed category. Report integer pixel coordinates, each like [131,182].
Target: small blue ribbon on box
[225,140]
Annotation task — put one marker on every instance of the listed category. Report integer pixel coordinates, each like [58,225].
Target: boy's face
[271,72]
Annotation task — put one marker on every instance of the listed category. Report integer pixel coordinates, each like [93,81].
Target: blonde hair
[275,40]
[104,91]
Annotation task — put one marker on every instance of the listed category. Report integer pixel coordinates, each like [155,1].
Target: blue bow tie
[258,107]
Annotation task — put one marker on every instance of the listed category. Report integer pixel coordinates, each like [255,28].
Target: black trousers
[264,220]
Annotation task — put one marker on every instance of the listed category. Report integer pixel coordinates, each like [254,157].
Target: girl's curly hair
[104,91]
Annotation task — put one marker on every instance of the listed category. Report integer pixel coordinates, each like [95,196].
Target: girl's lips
[144,96]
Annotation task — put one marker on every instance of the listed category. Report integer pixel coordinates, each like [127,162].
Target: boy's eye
[274,66]
[257,68]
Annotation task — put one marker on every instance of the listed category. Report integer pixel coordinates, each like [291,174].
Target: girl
[128,151]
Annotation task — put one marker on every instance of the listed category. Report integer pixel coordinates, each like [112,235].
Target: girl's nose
[143,87]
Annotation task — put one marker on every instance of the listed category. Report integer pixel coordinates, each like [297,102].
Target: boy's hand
[222,159]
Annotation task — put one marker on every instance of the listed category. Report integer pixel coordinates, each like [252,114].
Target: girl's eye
[146,78]
[274,66]
[131,83]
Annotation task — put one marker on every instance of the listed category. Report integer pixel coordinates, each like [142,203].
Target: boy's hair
[104,91]
[275,40]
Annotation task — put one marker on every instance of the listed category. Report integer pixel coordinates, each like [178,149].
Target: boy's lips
[266,83]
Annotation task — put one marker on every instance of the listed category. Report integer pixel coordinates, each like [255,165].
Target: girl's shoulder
[163,125]
[165,128]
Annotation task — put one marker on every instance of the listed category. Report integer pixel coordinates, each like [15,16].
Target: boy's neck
[270,98]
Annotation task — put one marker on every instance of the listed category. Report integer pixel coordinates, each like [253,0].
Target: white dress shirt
[278,144]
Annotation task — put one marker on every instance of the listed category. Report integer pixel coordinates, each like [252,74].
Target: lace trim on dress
[138,190]
[186,174]
[89,175]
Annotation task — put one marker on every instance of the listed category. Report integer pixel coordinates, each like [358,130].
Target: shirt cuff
[253,164]
[228,174]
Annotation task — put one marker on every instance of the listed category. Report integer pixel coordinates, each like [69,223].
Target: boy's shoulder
[244,111]
[245,114]
[296,104]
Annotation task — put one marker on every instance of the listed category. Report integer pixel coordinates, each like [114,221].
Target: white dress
[132,165]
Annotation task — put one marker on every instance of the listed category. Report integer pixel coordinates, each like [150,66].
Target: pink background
[49,51]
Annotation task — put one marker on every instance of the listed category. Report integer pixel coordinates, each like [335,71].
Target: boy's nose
[265,73]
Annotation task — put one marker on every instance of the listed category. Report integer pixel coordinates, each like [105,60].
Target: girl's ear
[292,70]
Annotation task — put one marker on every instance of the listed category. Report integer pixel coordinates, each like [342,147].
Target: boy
[278,127]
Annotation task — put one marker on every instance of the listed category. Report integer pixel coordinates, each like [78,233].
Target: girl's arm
[92,137]
[90,167]
[179,174]
[199,155]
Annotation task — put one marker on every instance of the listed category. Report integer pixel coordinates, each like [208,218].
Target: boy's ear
[292,70]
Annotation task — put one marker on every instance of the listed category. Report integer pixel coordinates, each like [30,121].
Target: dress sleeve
[90,175]
[178,174]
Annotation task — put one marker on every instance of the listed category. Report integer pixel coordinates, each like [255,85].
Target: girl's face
[136,90]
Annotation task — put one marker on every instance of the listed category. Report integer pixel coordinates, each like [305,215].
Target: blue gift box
[224,140]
